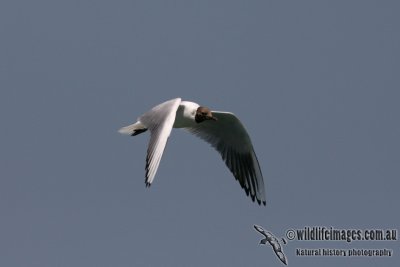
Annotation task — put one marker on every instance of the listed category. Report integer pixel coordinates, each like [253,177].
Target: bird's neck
[185,115]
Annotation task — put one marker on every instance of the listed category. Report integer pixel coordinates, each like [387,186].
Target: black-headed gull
[222,130]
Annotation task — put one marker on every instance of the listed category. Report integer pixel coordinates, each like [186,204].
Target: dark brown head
[203,114]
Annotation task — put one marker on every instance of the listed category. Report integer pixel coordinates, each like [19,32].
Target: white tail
[133,129]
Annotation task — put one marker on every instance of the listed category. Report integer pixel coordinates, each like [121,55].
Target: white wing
[274,242]
[260,230]
[159,121]
[229,137]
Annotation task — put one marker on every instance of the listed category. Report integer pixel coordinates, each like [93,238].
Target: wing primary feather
[248,178]
[249,168]
[159,121]
[229,137]
[242,170]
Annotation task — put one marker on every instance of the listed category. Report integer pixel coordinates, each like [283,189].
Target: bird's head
[203,114]
[263,241]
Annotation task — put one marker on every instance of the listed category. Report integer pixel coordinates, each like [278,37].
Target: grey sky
[315,82]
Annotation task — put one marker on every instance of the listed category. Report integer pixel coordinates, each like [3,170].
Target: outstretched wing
[159,121]
[229,137]
[260,230]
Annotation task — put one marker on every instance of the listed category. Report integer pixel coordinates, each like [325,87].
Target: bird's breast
[185,116]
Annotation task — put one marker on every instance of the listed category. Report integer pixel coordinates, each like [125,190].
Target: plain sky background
[317,84]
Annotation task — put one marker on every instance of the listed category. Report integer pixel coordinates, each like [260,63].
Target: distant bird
[222,130]
[273,241]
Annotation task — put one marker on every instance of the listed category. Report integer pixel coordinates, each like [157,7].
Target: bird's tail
[133,129]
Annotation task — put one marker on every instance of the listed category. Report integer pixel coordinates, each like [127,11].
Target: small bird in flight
[223,130]
[273,241]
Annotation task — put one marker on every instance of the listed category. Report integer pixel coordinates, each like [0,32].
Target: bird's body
[222,130]
[185,115]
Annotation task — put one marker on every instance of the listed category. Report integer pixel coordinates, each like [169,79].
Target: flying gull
[223,130]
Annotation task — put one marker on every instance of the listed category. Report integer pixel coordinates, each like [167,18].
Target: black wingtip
[261,203]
